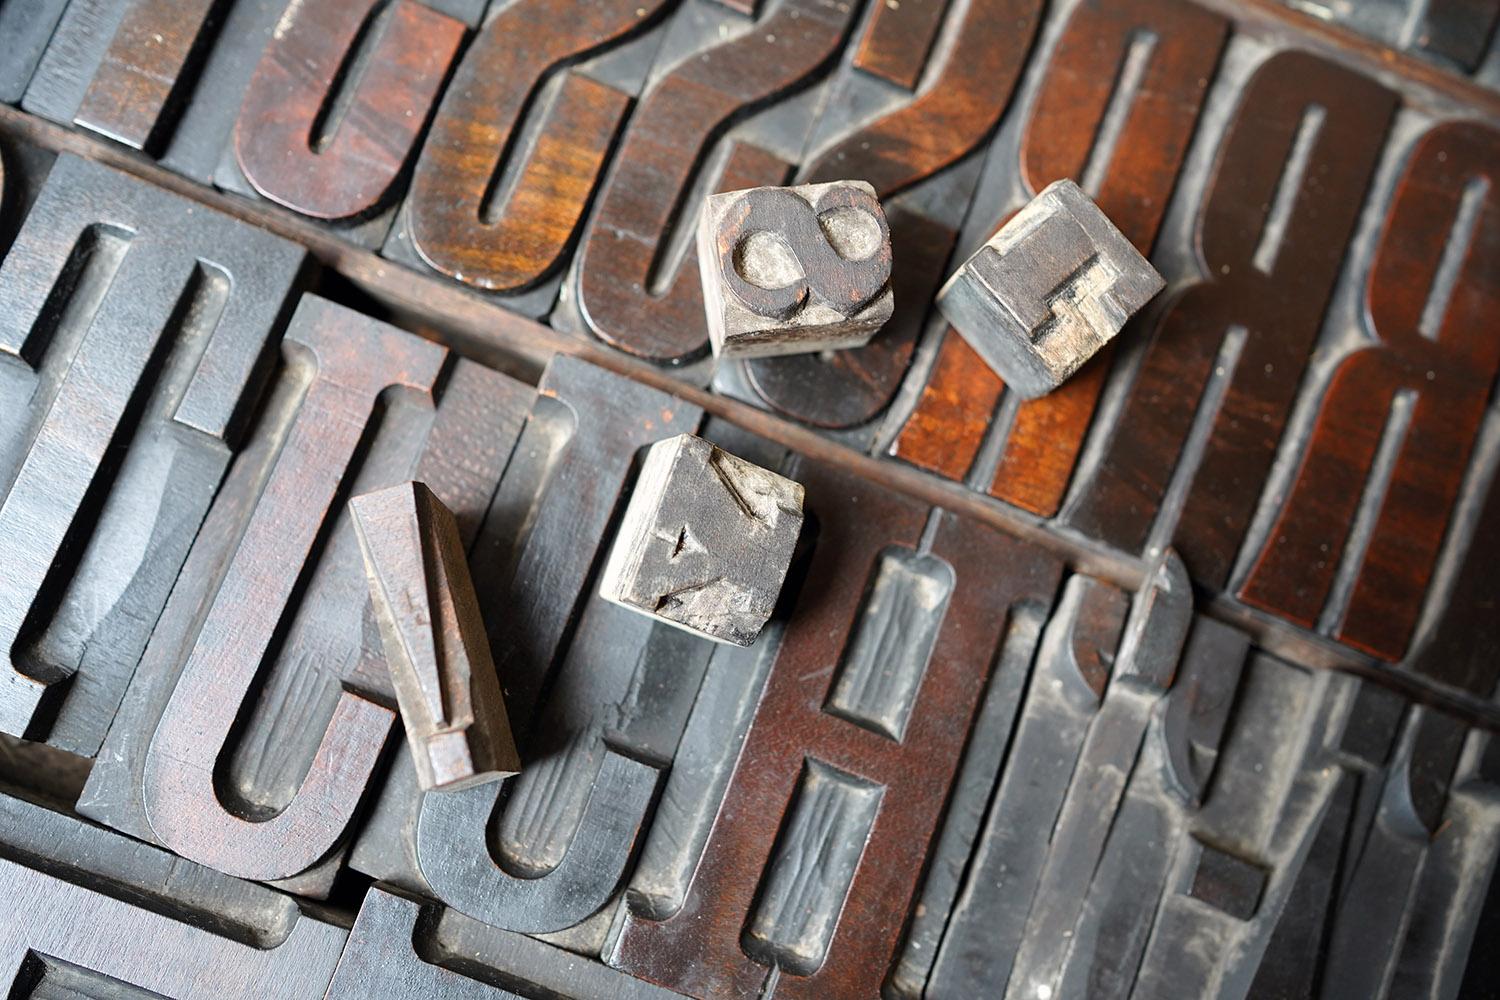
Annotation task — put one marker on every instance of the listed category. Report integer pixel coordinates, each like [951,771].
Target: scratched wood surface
[1178,681]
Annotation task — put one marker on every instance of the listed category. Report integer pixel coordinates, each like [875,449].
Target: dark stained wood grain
[126,325]
[284,141]
[182,800]
[456,223]
[898,39]
[1432,317]
[966,94]
[1275,293]
[945,430]
[669,137]
[1136,176]
[146,65]
[724,939]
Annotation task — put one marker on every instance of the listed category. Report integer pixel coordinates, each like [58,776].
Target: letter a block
[1048,291]
[706,541]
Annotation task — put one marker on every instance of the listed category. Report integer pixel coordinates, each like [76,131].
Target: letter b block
[1051,288]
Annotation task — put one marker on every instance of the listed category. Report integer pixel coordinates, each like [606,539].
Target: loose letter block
[434,638]
[794,270]
[706,541]
[1047,291]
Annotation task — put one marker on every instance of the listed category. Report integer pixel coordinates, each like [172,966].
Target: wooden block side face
[706,541]
[794,270]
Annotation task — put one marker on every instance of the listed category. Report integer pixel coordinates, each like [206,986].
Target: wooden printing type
[1430,291]
[284,141]
[122,68]
[132,333]
[1061,139]
[152,57]
[705,541]
[1150,838]
[834,295]
[1051,288]
[434,640]
[949,118]
[585,782]
[281,514]
[1407,846]
[839,930]
[1154,633]
[1275,291]
[1072,670]
[182,803]
[384,958]
[25,29]
[450,218]
[670,134]
[102,905]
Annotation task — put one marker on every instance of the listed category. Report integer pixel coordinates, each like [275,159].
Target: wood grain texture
[146,68]
[460,224]
[700,950]
[1132,182]
[133,362]
[182,800]
[670,136]
[968,89]
[288,141]
[1273,288]
[1430,294]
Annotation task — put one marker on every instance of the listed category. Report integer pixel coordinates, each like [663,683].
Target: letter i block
[1048,291]
[794,270]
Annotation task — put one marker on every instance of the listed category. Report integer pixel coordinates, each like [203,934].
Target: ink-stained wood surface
[1043,707]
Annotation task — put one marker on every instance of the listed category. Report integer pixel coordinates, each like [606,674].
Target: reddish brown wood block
[351,362]
[1433,296]
[289,150]
[455,225]
[944,432]
[669,136]
[852,774]
[144,68]
[1171,49]
[895,45]
[1272,242]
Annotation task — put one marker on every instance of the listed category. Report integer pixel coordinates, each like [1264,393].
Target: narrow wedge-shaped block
[435,643]
[706,541]
[1051,288]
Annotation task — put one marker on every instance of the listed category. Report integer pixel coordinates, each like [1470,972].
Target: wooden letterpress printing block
[706,541]
[139,327]
[267,668]
[794,270]
[93,913]
[451,706]
[1048,291]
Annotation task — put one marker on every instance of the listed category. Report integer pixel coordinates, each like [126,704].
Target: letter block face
[794,270]
[706,541]
[1049,290]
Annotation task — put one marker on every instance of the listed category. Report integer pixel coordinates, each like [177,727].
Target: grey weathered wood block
[794,270]
[1051,288]
[705,542]
[457,728]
